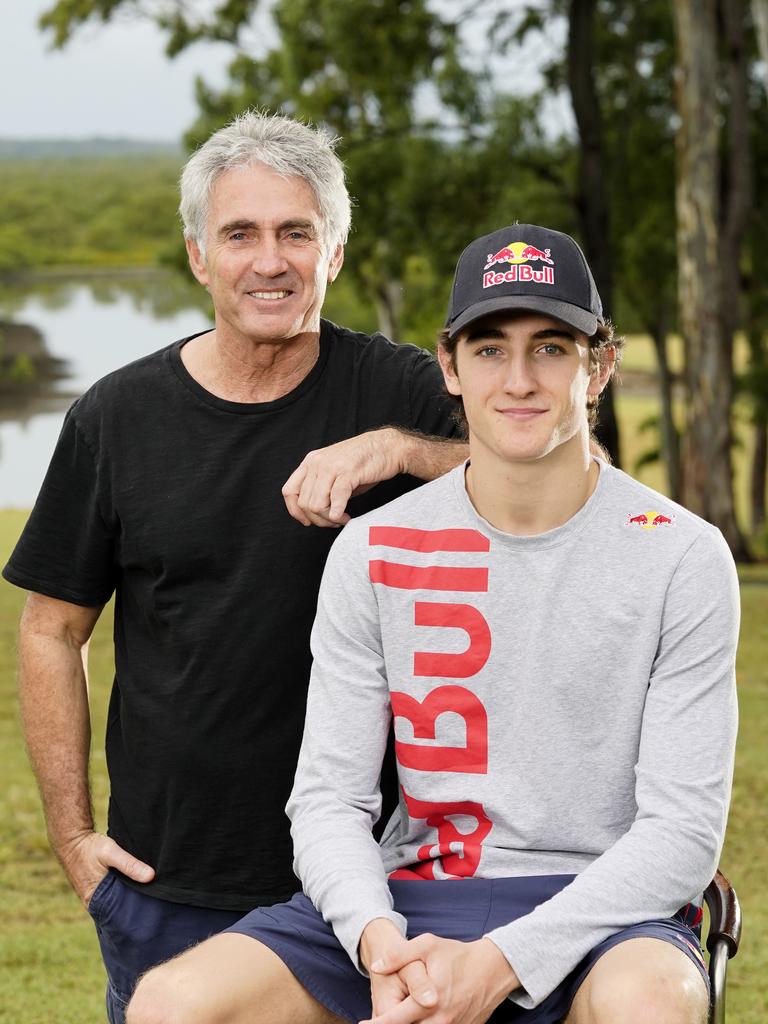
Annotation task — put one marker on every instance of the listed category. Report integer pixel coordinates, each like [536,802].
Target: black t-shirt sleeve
[66,550]
[433,410]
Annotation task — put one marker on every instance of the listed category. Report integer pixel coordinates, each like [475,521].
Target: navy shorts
[137,931]
[463,910]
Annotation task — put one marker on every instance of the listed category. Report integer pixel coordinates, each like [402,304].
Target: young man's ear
[196,261]
[448,366]
[602,372]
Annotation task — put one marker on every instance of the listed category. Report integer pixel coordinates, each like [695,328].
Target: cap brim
[573,316]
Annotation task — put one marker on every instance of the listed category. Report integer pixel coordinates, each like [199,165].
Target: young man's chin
[522,448]
[528,452]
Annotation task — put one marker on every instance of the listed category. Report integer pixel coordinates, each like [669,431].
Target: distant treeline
[88,212]
[45,149]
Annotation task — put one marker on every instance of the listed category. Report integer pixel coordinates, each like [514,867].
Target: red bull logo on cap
[518,255]
[650,520]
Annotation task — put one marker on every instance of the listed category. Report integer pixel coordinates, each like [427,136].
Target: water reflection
[163,294]
[59,335]
[30,377]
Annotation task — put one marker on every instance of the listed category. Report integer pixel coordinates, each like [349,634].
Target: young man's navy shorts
[465,909]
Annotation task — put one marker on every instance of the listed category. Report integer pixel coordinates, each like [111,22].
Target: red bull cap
[524,267]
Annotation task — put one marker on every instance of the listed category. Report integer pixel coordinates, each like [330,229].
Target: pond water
[82,329]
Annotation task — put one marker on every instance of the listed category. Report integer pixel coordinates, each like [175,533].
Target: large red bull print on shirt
[456,850]
[521,257]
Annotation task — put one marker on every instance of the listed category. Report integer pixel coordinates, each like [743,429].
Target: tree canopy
[438,150]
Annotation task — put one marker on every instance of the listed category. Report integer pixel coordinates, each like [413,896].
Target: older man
[165,489]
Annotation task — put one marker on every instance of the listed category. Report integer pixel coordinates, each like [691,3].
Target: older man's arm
[53,635]
[317,492]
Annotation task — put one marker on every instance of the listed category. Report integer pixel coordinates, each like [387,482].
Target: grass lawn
[49,961]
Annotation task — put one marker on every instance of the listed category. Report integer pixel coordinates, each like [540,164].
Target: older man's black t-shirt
[171,498]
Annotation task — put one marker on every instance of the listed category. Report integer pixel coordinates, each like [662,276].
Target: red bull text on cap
[524,267]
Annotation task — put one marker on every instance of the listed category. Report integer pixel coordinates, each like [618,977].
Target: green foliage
[650,456]
[86,212]
[359,68]
[370,68]
[22,370]
[422,191]
[754,382]
[633,80]
[224,25]
[67,15]
[760,543]
[437,153]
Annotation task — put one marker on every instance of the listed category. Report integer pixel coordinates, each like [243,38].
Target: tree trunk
[758,354]
[388,296]
[758,358]
[592,191]
[670,440]
[739,186]
[760,18]
[738,191]
[707,472]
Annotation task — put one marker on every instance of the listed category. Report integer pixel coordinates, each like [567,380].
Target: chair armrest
[724,914]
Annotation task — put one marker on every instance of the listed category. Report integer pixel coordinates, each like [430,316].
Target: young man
[555,643]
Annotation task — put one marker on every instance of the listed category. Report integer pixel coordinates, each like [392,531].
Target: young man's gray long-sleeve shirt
[563,703]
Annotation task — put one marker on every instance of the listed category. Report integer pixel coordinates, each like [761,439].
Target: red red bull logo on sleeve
[650,520]
[519,255]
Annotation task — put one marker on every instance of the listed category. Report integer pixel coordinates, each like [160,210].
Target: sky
[115,80]
[111,80]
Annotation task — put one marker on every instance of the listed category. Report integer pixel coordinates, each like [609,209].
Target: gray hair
[286,146]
